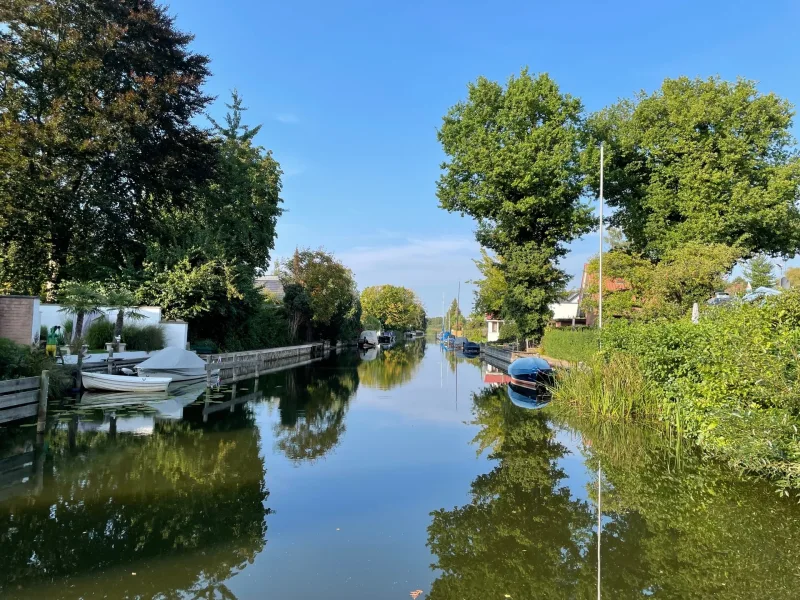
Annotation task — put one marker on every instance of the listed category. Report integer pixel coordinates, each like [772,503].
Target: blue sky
[351,94]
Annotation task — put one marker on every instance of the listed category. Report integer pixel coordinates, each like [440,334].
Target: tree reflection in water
[674,526]
[313,405]
[393,366]
[185,506]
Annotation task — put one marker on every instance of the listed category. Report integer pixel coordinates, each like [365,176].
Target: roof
[271,284]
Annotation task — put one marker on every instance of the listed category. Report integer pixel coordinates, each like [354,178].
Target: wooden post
[208,371]
[233,397]
[44,385]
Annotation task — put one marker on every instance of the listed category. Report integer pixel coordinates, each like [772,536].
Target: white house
[493,323]
[568,311]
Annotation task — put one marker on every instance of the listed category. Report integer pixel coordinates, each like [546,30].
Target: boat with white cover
[176,363]
[124,383]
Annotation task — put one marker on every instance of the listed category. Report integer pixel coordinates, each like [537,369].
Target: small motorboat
[471,349]
[124,383]
[531,372]
[368,339]
[525,397]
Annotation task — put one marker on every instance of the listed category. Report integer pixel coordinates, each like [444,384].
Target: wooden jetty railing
[236,366]
[113,365]
[24,398]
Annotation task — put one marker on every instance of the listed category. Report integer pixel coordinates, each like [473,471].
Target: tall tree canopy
[397,308]
[329,293]
[97,135]
[700,160]
[759,272]
[513,165]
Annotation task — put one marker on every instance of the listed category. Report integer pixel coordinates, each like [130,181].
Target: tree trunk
[76,333]
[118,326]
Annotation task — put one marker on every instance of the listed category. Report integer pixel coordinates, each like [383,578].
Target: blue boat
[525,397]
[471,349]
[531,372]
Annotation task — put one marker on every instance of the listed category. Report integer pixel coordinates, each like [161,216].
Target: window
[494,326]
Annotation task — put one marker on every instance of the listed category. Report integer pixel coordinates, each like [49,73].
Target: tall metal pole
[600,264]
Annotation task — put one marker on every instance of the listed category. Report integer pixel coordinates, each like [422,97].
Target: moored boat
[471,349]
[531,372]
[124,383]
[529,398]
[368,339]
[176,363]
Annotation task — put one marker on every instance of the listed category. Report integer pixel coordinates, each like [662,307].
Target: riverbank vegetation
[110,182]
[392,307]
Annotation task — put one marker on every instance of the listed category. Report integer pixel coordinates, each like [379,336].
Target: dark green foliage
[17,360]
[100,332]
[147,338]
[43,333]
[513,166]
[574,345]
[99,101]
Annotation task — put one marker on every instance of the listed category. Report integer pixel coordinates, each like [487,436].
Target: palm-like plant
[79,299]
[122,299]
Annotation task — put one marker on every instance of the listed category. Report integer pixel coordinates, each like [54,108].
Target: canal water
[404,473]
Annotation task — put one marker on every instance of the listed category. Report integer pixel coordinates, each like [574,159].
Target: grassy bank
[730,382]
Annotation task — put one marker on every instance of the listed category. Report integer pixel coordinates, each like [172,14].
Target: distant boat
[387,337]
[124,383]
[368,339]
[531,372]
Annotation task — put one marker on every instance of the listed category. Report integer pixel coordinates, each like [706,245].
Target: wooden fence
[24,398]
[236,366]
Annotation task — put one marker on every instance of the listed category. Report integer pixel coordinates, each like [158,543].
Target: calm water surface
[373,479]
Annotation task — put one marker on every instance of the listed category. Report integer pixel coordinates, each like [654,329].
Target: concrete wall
[51,315]
[17,318]
[176,333]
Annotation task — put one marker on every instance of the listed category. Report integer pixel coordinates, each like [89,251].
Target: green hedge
[100,332]
[574,345]
[147,338]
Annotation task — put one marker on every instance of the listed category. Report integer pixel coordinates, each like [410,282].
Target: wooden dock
[24,398]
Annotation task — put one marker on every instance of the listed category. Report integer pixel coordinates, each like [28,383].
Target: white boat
[124,383]
[176,363]
[368,339]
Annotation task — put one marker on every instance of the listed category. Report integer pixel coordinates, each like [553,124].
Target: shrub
[43,333]
[509,332]
[100,332]
[67,326]
[147,338]
[17,360]
[574,345]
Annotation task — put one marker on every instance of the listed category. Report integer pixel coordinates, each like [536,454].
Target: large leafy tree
[331,296]
[513,165]
[700,160]
[98,101]
[395,307]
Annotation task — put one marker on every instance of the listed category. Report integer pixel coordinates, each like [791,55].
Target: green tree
[512,165]
[492,289]
[700,160]
[454,318]
[122,299]
[396,308]
[331,291]
[99,101]
[759,272]
[79,299]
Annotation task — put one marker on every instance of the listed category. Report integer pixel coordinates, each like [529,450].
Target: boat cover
[172,358]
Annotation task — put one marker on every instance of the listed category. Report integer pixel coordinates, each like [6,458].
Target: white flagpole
[600,265]
[599,525]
